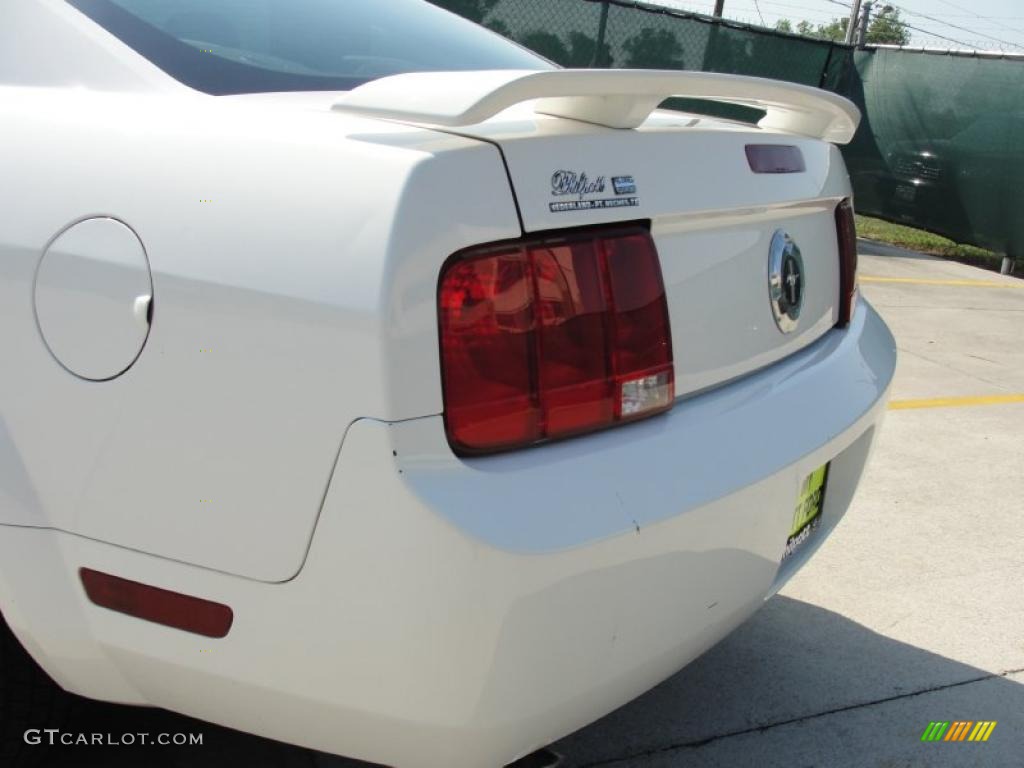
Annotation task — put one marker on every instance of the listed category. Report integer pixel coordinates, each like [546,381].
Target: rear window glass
[252,46]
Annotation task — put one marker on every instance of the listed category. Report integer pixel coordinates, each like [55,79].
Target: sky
[988,25]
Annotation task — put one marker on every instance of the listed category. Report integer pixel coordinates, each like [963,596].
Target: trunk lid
[713,218]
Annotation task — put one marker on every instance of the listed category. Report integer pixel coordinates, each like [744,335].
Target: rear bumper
[456,613]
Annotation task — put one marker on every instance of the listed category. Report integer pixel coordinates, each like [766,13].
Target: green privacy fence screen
[940,146]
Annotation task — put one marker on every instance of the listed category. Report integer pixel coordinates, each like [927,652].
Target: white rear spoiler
[617,98]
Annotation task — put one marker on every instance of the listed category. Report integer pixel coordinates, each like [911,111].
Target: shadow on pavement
[791,662]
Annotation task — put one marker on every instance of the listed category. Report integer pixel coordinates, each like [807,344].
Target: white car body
[278,443]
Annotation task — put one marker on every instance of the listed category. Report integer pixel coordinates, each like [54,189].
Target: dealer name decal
[587,192]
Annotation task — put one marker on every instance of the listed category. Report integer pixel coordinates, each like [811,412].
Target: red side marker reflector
[160,606]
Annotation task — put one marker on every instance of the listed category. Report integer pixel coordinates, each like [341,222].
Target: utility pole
[602,30]
[712,42]
[851,26]
[865,17]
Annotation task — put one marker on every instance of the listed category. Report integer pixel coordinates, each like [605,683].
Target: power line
[903,24]
[770,13]
[758,7]
[977,16]
[770,3]
[788,5]
[955,26]
[938,21]
[929,33]
[936,34]
[993,19]
[959,8]
[917,29]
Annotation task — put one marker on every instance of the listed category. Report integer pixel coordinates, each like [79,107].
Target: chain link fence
[620,33]
[940,144]
[595,33]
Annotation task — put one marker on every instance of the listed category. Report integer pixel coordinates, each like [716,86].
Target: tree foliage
[885,27]
[653,49]
[888,28]
[805,28]
[547,44]
[834,30]
[474,10]
[583,52]
[499,26]
[576,51]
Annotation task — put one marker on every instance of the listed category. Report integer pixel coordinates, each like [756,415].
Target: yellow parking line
[919,281]
[955,402]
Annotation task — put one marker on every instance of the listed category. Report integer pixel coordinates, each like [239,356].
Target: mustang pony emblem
[785,281]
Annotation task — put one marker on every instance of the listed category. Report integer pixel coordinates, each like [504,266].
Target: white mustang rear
[372,386]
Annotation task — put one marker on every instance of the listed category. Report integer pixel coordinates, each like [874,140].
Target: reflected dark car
[919,182]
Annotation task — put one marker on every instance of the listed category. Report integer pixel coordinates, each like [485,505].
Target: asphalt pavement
[912,612]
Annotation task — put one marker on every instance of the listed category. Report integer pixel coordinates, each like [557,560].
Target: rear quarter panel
[294,257]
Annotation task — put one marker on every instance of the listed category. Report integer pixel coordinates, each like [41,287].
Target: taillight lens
[846,230]
[553,337]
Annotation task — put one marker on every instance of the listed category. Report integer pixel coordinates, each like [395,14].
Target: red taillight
[191,614]
[553,337]
[846,230]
